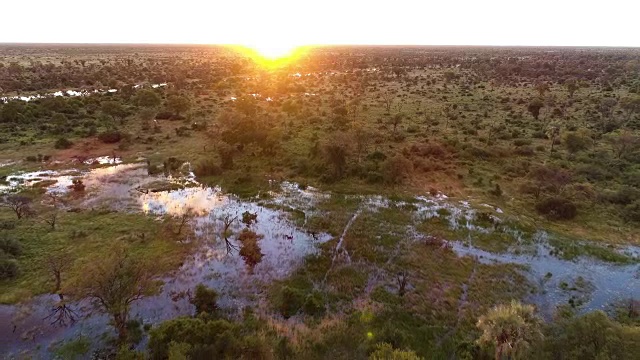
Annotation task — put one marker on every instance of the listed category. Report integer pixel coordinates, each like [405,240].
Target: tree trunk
[120,323]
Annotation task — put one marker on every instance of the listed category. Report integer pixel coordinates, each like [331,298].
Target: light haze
[286,23]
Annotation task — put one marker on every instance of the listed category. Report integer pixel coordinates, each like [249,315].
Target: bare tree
[623,142]
[52,219]
[113,282]
[21,205]
[184,219]
[61,313]
[387,99]
[401,278]
[227,221]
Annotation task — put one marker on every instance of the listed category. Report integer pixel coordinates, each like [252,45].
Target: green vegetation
[551,140]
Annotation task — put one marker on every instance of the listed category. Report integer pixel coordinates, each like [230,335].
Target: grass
[569,249]
[73,349]
[82,235]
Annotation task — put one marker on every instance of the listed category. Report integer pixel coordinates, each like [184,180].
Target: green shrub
[631,212]
[8,267]
[557,208]
[385,351]
[289,301]
[207,168]
[73,349]
[63,143]
[313,304]
[521,142]
[110,137]
[11,247]
[205,300]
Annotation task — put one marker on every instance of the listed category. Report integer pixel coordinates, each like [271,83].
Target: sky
[290,22]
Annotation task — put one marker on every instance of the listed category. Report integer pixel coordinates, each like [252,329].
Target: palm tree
[510,329]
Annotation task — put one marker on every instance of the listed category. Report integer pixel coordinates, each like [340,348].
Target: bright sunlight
[271,54]
[273,51]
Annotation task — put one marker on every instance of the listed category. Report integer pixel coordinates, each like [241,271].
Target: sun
[274,51]
[272,54]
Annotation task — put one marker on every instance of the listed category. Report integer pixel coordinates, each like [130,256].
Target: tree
[178,104]
[250,250]
[552,133]
[61,313]
[184,219]
[205,300]
[549,179]
[593,336]
[631,106]
[534,108]
[148,98]
[606,107]
[387,99]
[395,120]
[113,281]
[21,205]
[249,218]
[201,338]
[572,86]
[510,330]
[542,87]
[336,153]
[623,142]
[396,169]
[576,141]
[12,111]
[385,351]
[113,109]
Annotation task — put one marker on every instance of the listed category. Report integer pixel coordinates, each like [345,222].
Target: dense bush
[396,169]
[63,143]
[110,137]
[631,212]
[10,247]
[557,208]
[207,168]
[205,300]
[197,338]
[8,267]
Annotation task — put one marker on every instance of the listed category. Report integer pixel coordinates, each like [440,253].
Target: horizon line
[316,45]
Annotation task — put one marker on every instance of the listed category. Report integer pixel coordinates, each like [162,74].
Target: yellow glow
[272,54]
[273,51]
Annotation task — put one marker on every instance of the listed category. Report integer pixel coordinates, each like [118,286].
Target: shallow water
[128,187]
[588,283]
[71,93]
[593,284]
[283,247]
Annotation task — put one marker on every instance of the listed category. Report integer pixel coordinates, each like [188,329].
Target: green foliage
[575,142]
[511,331]
[205,300]
[593,336]
[74,349]
[250,250]
[9,267]
[396,169]
[196,338]
[148,98]
[110,136]
[10,247]
[385,351]
[207,167]
[63,143]
[631,212]
[178,104]
[557,208]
